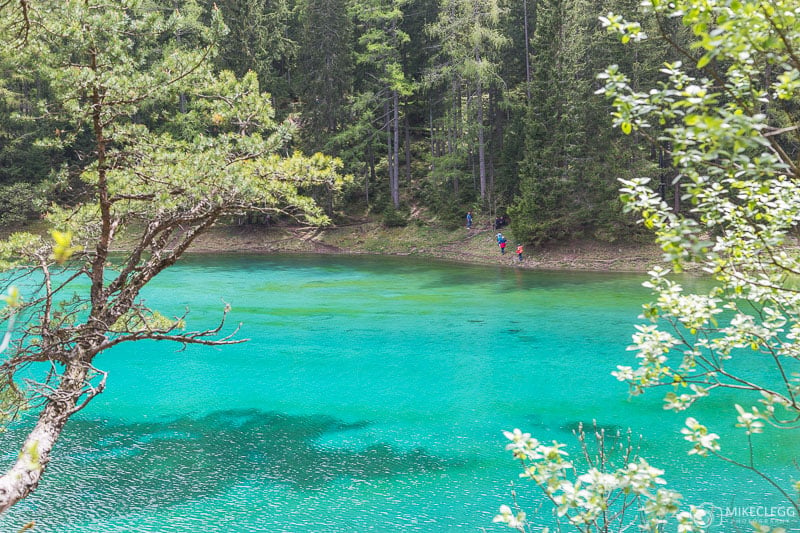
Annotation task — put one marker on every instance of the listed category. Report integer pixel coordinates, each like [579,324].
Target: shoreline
[473,246]
[476,246]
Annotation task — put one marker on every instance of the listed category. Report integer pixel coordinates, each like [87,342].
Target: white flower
[522,446]
[749,421]
[692,520]
[698,434]
[507,517]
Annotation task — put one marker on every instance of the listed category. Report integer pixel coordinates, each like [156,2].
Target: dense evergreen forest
[433,105]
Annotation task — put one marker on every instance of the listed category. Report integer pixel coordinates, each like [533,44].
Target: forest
[433,106]
[134,127]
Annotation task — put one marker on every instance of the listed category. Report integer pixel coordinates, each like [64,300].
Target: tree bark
[389,157]
[372,174]
[527,52]
[396,149]
[432,136]
[407,147]
[481,142]
[26,473]
[366,182]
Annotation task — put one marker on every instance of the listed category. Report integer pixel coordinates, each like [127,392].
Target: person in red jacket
[519,252]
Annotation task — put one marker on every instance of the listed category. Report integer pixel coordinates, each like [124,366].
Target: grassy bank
[477,245]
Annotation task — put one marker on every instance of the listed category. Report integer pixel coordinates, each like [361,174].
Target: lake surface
[371,396]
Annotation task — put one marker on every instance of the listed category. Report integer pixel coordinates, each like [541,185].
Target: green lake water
[371,396]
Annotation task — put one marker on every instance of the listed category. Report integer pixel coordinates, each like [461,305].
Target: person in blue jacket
[501,242]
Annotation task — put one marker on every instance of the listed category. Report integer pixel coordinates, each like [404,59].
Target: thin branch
[763,476]
[91,390]
[167,83]
[778,131]
[784,38]
[194,337]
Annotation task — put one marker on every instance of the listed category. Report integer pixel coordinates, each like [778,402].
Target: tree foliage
[569,169]
[467,65]
[259,39]
[732,133]
[733,136]
[728,113]
[494,101]
[380,57]
[166,147]
[324,68]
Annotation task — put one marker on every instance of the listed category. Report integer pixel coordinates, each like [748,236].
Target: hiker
[469,219]
[519,252]
[501,242]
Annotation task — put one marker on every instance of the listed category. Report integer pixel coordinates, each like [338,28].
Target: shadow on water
[593,427]
[105,470]
[437,273]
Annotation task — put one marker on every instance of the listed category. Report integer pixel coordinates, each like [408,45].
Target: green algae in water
[371,397]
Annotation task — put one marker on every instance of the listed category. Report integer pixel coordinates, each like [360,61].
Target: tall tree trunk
[432,136]
[407,129]
[475,184]
[451,142]
[387,113]
[481,142]
[371,176]
[457,107]
[396,149]
[495,141]
[366,182]
[527,52]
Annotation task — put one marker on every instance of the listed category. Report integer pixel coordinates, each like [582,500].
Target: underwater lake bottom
[371,396]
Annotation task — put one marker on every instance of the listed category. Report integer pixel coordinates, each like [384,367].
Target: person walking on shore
[501,242]
[519,252]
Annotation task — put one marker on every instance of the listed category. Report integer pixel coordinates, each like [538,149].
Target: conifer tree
[469,38]
[571,164]
[168,147]
[259,39]
[381,39]
[324,77]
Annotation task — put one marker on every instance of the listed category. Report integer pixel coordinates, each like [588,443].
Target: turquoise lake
[371,396]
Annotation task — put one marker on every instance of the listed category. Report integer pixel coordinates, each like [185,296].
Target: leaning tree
[161,147]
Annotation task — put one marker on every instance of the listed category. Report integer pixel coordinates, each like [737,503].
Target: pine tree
[381,39]
[467,31]
[324,78]
[166,148]
[573,161]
